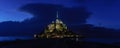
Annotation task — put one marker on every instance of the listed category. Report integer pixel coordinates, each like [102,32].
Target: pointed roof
[57,15]
[57,18]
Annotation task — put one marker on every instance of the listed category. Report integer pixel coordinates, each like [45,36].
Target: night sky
[104,12]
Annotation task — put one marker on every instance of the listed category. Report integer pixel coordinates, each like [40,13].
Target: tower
[57,25]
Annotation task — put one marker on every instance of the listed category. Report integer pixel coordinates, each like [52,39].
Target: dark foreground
[53,43]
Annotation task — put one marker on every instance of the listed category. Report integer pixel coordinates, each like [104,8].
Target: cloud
[98,2]
[11,15]
[47,12]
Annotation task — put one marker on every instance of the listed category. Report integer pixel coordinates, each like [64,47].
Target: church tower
[57,25]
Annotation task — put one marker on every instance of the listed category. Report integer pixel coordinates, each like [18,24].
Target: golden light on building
[56,29]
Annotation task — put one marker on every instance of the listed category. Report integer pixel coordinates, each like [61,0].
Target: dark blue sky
[104,12]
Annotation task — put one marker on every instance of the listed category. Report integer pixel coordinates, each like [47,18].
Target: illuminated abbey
[56,29]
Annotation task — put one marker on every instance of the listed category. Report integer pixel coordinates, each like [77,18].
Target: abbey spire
[57,15]
[58,21]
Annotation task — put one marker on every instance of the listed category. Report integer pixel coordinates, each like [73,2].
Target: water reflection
[11,38]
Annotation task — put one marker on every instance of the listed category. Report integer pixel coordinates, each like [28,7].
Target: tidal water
[12,38]
[99,40]
[103,40]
